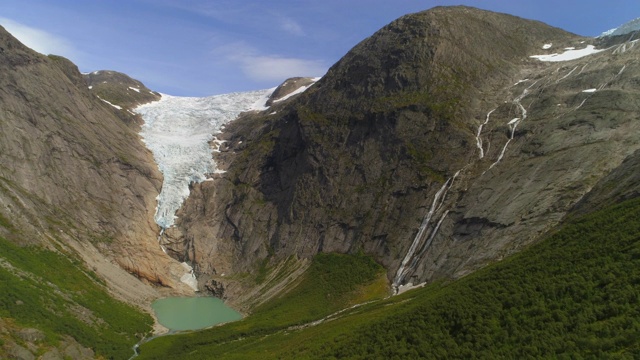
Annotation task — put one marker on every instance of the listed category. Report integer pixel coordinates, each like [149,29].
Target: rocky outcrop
[119,89]
[121,92]
[289,88]
[26,343]
[73,174]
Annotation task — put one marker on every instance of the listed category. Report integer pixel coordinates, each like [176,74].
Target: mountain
[77,193]
[445,143]
[438,145]
[516,153]
[69,161]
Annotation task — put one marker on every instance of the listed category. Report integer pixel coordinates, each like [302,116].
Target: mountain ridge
[380,135]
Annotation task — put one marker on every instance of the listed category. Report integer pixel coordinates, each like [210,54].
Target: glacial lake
[192,313]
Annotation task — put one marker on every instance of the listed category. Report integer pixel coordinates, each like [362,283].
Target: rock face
[289,88]
[72,173]
[436,145]
[123,92]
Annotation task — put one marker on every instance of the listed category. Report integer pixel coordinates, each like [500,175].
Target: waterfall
[513,124]
[400,274]
[478,138]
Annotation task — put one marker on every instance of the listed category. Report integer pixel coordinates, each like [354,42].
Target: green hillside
[45,290]
[574,295]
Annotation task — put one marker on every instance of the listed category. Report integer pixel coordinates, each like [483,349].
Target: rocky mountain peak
[289,88]
[441,51]
[119,89]
[411,149]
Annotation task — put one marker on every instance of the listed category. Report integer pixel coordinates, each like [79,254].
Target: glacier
[178,131]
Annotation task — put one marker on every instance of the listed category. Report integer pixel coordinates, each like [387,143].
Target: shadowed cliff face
[436,145]
[71,170]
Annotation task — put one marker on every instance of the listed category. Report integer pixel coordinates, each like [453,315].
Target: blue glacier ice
[178,131]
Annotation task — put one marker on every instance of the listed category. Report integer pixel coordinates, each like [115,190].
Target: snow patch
[409,286]
[189,277]
[299,90]
[568,55]
[589,91]
[134,89]
[115,106]
[261,103]
[547,46]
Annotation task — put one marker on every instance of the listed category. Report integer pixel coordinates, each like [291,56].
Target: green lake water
[192,313]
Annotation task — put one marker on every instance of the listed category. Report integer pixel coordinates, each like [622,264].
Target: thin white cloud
[270,68]
[249,14]
[39,40]
[226,11]
[291,26]
[261,67]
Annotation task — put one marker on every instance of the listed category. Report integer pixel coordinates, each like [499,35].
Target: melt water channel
[193,313]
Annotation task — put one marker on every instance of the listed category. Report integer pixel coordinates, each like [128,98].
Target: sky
[201,48]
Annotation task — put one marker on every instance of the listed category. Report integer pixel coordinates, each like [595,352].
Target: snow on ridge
[631,26]
[178,131]
[568,54]
[297,91]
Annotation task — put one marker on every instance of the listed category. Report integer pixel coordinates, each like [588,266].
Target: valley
[460,184]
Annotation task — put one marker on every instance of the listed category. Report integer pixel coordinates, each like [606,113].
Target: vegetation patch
[5,223]
[57,295]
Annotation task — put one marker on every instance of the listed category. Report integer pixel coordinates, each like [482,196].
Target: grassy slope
[51,292]
[574,295]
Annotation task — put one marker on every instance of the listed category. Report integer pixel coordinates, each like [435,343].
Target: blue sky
[199,48]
